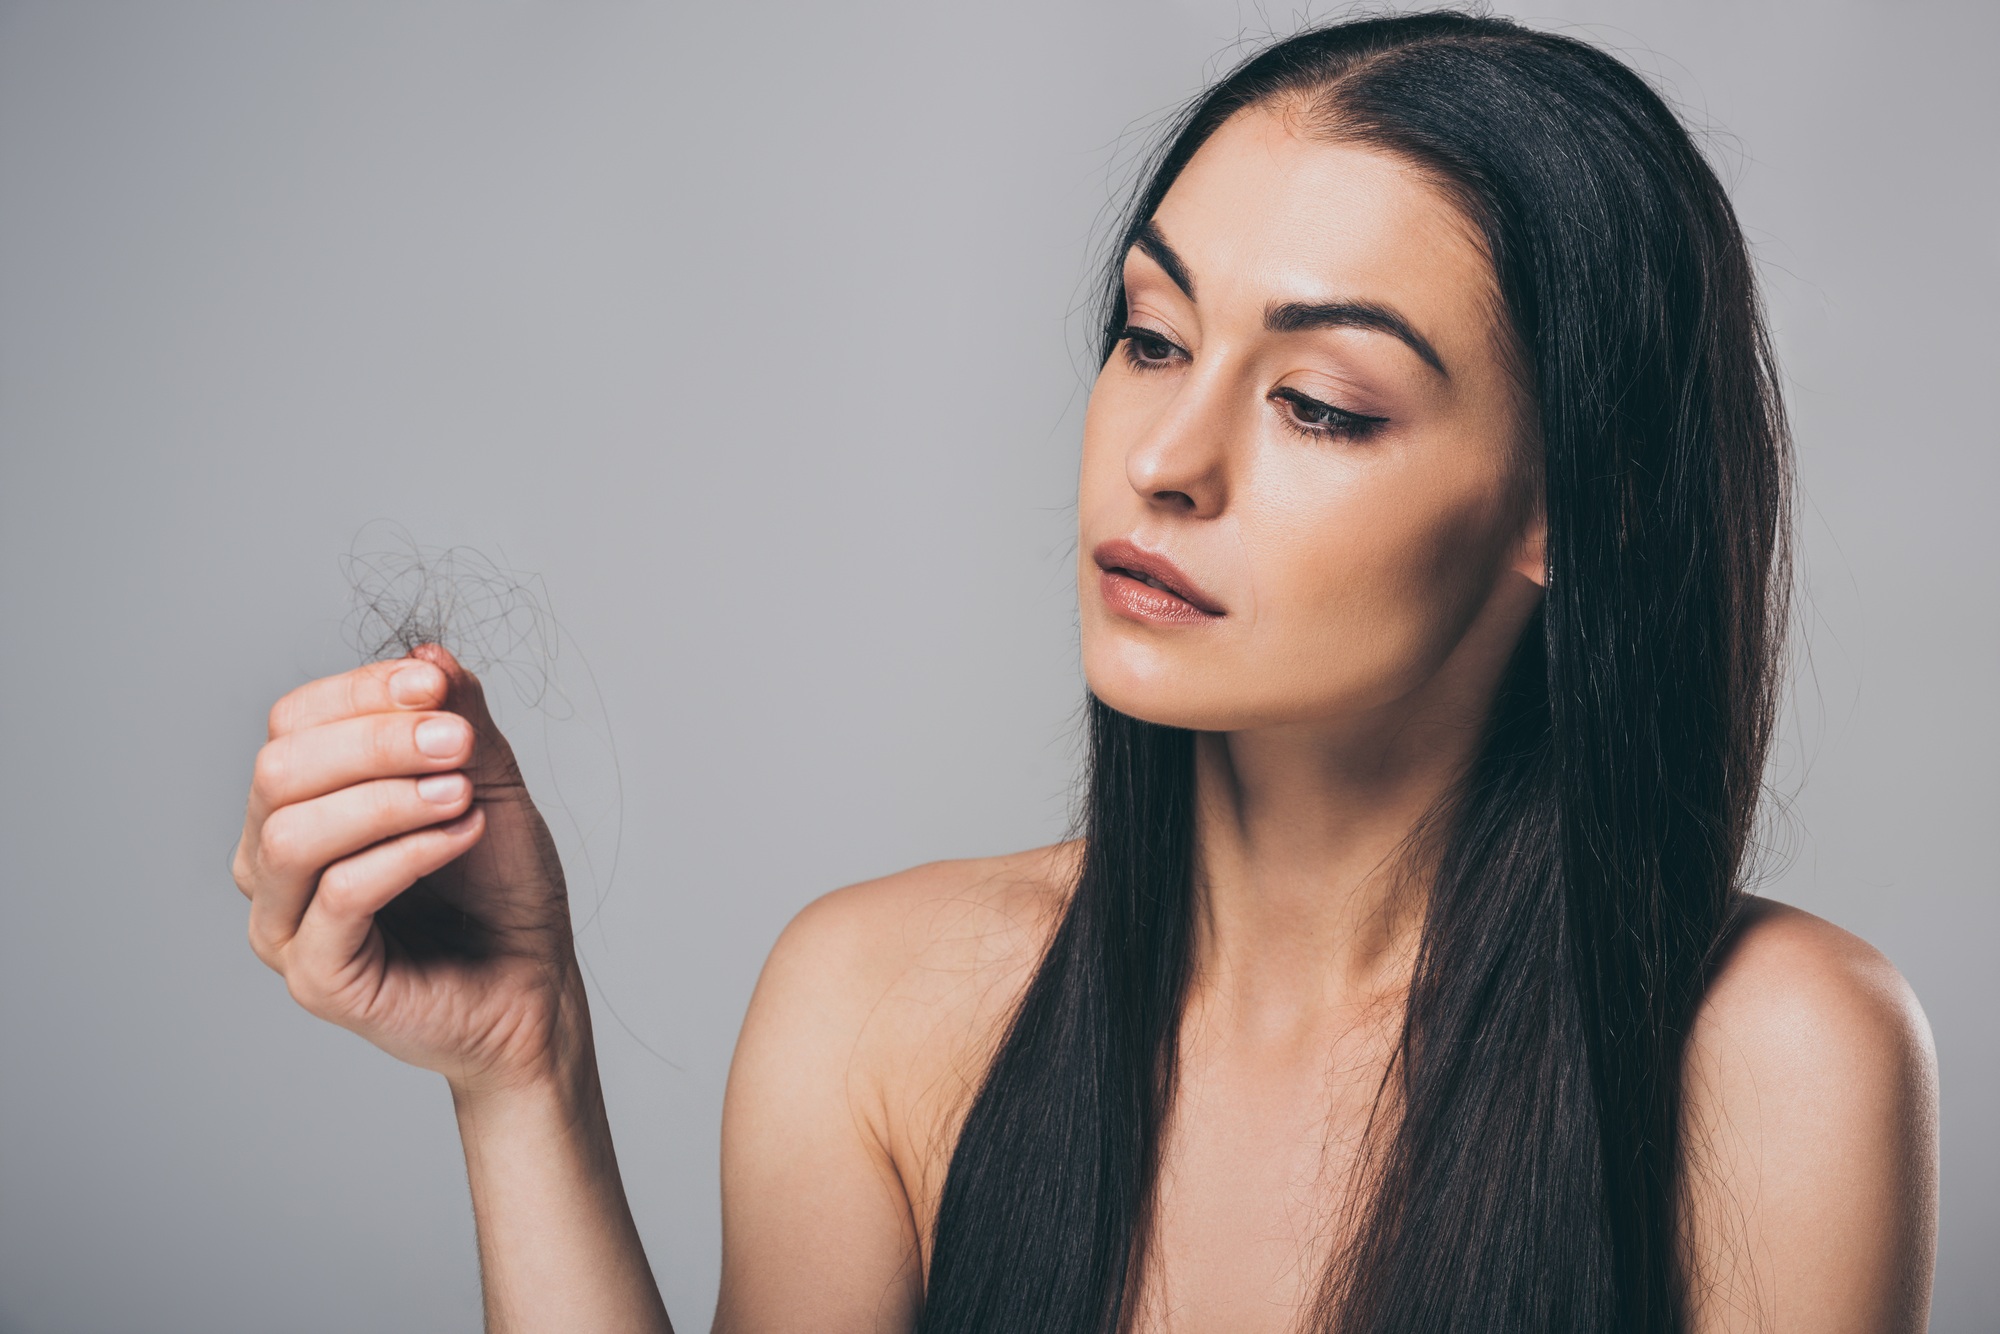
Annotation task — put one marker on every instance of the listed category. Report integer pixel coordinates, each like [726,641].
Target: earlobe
[1531,558]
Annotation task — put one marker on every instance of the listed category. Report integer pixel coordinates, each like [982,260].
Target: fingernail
[414,685]
[442,788]
[441,737]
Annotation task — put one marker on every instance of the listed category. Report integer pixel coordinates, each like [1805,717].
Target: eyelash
[1337,424]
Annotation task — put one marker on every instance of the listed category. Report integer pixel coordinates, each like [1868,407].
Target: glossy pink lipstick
[1146,586]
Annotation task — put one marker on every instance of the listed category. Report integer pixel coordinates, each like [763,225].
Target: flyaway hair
[1528,1172]
[493,619]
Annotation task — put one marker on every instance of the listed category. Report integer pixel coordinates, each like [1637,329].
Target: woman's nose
[1180,463]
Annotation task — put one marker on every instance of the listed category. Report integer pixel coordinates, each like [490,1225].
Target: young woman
[1432,527]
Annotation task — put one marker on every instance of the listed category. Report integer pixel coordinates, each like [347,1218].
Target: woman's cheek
[1354,619]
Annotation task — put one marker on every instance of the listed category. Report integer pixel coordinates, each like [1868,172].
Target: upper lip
[1127,557]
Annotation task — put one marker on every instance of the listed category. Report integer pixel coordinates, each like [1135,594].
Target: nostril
[1179,500]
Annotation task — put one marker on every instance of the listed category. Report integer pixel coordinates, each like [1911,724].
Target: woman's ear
[1531,551]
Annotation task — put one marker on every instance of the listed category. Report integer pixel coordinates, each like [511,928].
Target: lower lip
[1142,602]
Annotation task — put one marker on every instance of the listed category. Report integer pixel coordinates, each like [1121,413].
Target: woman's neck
[1309,877]
[1311,880]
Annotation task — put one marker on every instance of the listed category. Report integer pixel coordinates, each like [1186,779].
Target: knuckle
[338,887]
[280,841]
[309,991]
[258,945]
[389,744]
[363,690]
[290,711]
[272,771]
[269,951]
[390,802]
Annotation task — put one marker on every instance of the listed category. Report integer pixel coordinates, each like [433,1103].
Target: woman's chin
[1168,698]
[1225,696]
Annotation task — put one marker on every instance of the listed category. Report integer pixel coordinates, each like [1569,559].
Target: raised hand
[401,880]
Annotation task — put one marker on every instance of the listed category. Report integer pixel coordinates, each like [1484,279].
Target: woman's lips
[1146,586]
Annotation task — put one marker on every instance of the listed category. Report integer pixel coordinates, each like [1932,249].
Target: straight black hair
[1529,1171]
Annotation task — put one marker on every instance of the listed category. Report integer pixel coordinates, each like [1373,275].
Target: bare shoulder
[871,1020]
[898,974]
[907,918]
[1799,1015]
[1811,1091]
[923,935]
[1786,978]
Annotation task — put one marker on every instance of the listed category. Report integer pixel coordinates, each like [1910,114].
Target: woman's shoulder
[938,920]
[1793,992]
[912,974]
[871,1021]
[874,1019]
[1811,1096]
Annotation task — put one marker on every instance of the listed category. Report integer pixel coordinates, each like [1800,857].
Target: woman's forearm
[406,888]
[558,1250]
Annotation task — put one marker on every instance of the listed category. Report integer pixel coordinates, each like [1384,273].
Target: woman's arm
[817,1226]
[873,1022]
[557,1246]
[1812,1138]
[403,884]
[405,887]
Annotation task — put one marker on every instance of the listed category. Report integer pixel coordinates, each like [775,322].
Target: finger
[334,755]
[516,855]
[493,764]
[334,930]
[379,687]
[299,840]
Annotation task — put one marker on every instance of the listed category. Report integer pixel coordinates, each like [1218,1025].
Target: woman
[1432,527]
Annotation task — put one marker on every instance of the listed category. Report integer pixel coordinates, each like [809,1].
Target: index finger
[396,686]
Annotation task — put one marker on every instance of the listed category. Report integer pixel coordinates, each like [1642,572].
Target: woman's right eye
[1146,349]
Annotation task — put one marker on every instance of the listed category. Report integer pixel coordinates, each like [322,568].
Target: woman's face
[1311,435]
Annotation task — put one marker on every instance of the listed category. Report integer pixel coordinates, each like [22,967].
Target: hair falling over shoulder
[1530,1177]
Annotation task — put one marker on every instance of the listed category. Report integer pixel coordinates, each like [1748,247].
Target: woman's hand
[403,883]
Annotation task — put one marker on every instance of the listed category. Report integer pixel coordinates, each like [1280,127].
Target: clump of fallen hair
[493,619]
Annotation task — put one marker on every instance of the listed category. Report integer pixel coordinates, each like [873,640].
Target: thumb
[516,837]
[493,764]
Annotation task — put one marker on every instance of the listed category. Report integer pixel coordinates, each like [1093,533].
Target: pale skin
[1372,581]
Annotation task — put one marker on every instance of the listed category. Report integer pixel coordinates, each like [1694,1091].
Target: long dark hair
[1530,1177]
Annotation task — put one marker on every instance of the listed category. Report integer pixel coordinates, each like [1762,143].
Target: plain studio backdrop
[751,329]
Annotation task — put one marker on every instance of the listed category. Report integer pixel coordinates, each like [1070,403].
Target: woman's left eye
[1145,349]
[1309,416]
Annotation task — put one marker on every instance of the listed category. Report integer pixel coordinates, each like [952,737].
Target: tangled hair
[493,619]
[499,623]
[1528,1172]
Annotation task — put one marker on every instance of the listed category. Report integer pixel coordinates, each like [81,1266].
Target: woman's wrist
[557,1245]
[557,1067]
[563,1099]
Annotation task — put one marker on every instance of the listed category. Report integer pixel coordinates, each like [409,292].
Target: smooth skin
[1372,578]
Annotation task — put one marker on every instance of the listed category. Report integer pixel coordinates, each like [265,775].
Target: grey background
[748,327]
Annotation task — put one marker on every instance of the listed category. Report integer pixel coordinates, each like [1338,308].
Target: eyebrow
[1155,245]
[1298,316]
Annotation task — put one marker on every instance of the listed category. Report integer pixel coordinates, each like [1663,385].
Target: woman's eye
[1311,411]
[1309,416]
[1143,347]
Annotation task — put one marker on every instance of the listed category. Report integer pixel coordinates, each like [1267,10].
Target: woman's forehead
[1266,212]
